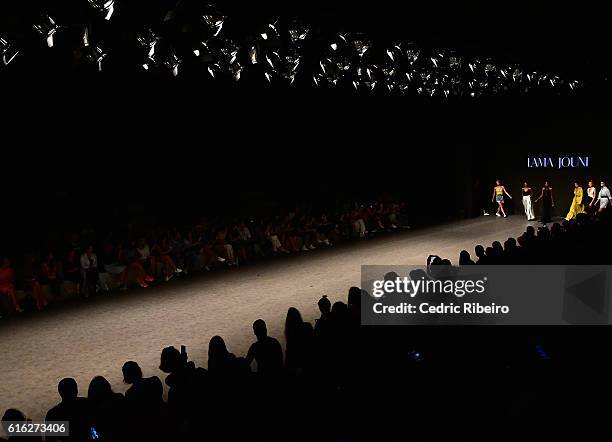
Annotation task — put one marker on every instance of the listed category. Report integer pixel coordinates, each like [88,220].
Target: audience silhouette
[266,351]
[338,378]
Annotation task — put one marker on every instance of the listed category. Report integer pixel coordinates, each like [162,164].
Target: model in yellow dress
[577,205]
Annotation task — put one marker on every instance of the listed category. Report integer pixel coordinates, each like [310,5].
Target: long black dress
[547,205]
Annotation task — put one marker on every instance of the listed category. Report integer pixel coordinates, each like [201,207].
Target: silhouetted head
[497,246]
[294,315]
[131,372]
[13,415]
[339,309]
[324,305]
[99,389]
[464,257]
[171,360]
[417,274]
[68,389]
[260,329]
[354,297]
[391,276]
[294,321]
[479,250]
[216,347]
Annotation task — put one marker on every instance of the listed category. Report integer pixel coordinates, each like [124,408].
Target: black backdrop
[105,148]
[109,157]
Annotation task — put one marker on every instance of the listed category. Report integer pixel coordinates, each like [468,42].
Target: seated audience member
[186,382]
[491,255]
[31,281]
[271,235]
[288,235]
[162,251]
[220,361]
[204,249]
[49,274]
[479,250]
[110,266]
[298,336]
[73,409]
[354,306]
[247,238]
[358,221]
[72,272]
[144,256]
[465,259]
[322,325]
[340,316]
[128,257]
[223,247]
[324,230]
[7,283]
[190,258]
[15,416]
[108,410]
[89,269]
[499,252]
[266,351]
[183,255]
[240,246]
[143,392]
[145,403]
[306,232]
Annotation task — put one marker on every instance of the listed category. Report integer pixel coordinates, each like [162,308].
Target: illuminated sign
[558,162]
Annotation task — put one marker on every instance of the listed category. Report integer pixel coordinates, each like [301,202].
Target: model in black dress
[548,202]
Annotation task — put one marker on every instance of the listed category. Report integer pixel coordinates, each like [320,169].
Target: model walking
[527,192]
[604,197]
[548,202]
[577,206]
[498,196]
[591,197]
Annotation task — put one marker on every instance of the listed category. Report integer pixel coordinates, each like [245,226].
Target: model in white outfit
[527,202]
[591,194]
[604,197]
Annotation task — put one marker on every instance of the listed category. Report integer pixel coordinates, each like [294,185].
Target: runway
[86,339]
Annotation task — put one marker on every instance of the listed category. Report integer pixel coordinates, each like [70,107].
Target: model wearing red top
[7,285]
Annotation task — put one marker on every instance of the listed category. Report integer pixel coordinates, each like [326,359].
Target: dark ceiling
[546,34]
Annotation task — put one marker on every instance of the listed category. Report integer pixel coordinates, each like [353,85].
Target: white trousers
[528,207]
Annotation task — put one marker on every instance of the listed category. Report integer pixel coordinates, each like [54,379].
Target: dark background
[110,147]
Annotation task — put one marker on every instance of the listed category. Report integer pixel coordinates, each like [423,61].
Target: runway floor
[86,339]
